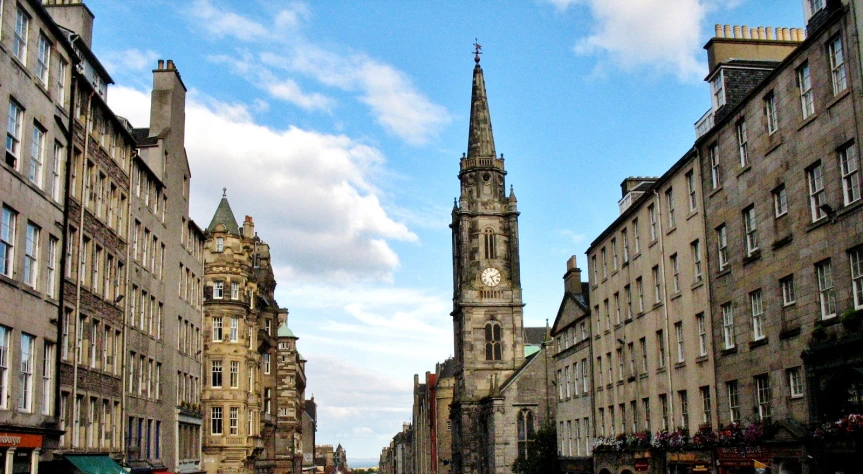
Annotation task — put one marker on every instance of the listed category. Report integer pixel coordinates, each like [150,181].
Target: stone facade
[32,195]
[786,203]
[240,320]
[443,393]
[163,336]
[97,256]
[571,333]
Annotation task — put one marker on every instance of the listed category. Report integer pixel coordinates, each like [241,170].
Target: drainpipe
[78,328]
[666,336]
[67,199]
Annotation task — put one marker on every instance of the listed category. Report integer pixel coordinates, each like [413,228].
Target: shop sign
[642,465]
[676,457]
[20,440]
[700,467]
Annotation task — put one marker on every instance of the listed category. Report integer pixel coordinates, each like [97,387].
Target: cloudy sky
[339,126]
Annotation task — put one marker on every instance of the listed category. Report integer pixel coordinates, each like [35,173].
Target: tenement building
[254,396]
[96,257]
[781,180]
[571,333]
[652,350]
[501,397]
[163,415]
[35,74]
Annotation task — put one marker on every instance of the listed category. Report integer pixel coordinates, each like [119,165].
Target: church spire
[480,138]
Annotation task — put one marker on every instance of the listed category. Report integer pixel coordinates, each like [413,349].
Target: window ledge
[754,256]
[671,229]
[701,359]
[620,382]
[643,376]
[652,243]
[850,208]
[838,98]
[807,121]
[714,191]
[692,213]
[660,370]
[729,351]
[761,342]
[789,332]
[680,365]
[657,305]
[744,169]
[814,225]
[724,271]
[829,320]
[698,284]
[781,242]
[675,296]
[637,254]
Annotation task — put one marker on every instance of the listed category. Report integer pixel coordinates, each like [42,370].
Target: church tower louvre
[487,298]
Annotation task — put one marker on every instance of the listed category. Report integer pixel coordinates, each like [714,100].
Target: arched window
[492,341]
[490,242]
[526,431]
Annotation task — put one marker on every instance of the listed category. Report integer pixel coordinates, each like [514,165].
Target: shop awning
[95,464]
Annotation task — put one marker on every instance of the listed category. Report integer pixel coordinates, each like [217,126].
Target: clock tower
[487,304]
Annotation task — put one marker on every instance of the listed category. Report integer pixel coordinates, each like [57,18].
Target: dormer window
[717,85]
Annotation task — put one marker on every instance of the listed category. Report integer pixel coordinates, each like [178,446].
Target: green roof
[95,464]
[224,216]
[285,331]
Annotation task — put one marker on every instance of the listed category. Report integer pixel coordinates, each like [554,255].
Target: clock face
[490,276]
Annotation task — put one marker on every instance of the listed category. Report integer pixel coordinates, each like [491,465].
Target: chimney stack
[572,277]
[248,227]
[74,16]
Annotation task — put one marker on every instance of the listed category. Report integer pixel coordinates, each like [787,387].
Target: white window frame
[669,200]
[216,421]
[837,65]
[14,130]
[733,391]
[675,275]
[817,195]
[43,60]
[235,290]
[715,171]
[31,255]
[722,246]
[742,143]
[770,113]
[651,211]
[5,339]
[217,329]
[37,156]
[756,305]
[780,201]
[234,332]
[698,274]
[856,257]
[787,285]
[728,338]
[795,383]
[850,169]
[807,96]
[763,397]
[25,380]
[717,86]
[702,334]
[21,34]
[218,290]
[826,292]
[690,188]
[750,226]
[678,330]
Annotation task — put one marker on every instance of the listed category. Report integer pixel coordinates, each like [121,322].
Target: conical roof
[480,138]
[224,216]
[285,331]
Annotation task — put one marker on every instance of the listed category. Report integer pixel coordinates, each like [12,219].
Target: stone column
[34,461]
[10,458]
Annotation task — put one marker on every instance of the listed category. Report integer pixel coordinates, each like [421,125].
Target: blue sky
[339,126]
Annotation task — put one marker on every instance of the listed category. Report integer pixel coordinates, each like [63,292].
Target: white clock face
[490,276]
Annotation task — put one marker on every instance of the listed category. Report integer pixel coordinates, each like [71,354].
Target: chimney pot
[718,29]
[728,31]
[761,33]
[746,33]
[770,33]
[161,64]
[170,64]
[737,31]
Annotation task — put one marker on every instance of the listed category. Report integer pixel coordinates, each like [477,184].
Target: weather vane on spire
[477,50]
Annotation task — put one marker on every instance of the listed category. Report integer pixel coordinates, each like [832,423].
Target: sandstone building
[254,396]
[781,180]
[571,333]
[37,81]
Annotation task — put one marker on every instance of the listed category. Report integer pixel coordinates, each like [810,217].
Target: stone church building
[501,393]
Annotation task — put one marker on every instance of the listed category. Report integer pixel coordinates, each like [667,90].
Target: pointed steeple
[480,139]
[224,216]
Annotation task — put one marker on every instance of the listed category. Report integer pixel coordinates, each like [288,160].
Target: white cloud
[130,60]
[311,192]
[392,98]
[658,35]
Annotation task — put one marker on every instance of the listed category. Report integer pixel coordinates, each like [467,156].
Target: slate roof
[534,336]
[225,216]
[143,138]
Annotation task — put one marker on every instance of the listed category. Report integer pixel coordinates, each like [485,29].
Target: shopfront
[757,459]
[19,452]
[689,462]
